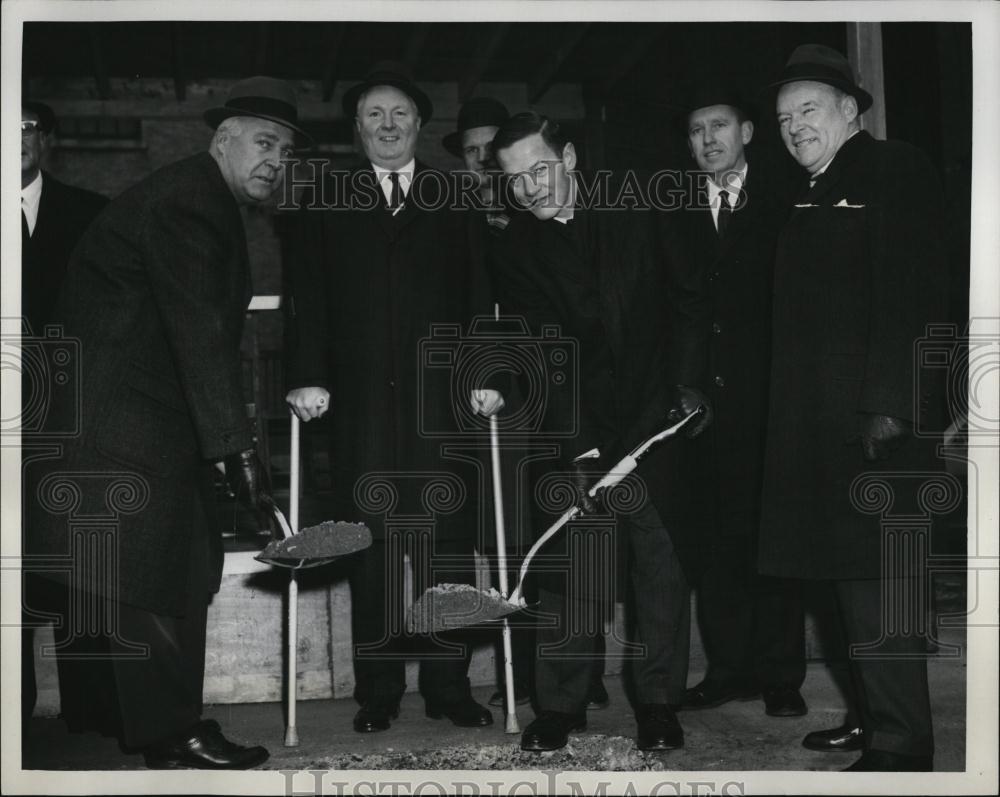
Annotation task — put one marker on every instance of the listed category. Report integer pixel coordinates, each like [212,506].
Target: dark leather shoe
[709,694]
[881,761]
[843,739]
[550,731]
[202,747]
[784,702]
[597,696]
[465,713]
[372,717]
[658,728]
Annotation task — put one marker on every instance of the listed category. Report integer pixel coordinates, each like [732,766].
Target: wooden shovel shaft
[291,733]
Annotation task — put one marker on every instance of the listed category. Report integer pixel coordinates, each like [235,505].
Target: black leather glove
[881,435]
[247,478]
[685,400]
[583,478]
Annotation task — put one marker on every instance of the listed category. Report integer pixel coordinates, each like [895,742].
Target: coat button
[719,381]
[392,383]
[716,329]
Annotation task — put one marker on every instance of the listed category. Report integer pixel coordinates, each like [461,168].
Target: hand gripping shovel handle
[623,468]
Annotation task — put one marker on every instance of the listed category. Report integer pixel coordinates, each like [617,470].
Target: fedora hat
[263,98]
[388,73]
[46,116]
[477,112]
[709,92]
[823,64]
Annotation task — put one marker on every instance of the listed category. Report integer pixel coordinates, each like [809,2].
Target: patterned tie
[397,192]
[725,213]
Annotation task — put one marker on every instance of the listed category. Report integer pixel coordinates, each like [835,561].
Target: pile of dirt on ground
[586,753]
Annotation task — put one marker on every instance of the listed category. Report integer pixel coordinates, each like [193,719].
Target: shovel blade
[317,545]
[448,607]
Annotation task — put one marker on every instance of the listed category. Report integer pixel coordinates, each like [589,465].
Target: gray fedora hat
[823,64]
[388,73]
[263,98]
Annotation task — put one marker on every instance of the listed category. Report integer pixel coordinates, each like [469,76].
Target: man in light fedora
[859,274]
[368,277]
[156,294]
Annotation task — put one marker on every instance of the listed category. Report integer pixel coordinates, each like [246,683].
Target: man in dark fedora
[752,626]
[156,295]
[368,277]
[859,274]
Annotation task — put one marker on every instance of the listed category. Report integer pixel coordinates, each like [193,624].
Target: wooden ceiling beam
[547,72]
[481,59]
[415,44]
[334,48]
[95,33]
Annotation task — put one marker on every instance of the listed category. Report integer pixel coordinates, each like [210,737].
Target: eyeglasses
[29,127]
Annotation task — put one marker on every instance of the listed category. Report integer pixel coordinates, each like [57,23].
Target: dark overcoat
[859,274]
[648,312]
[377,308]
[64,213]
[727,459]
[156,295]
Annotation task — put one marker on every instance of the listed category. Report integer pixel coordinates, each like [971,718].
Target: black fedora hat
[823,64]
[477,112]
[263,98]
[709,92]
[46,116]
[388,73]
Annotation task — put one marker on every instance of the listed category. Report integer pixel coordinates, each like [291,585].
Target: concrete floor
[735,737]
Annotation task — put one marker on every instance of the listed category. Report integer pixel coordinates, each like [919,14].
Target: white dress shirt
[31,197]
[735,182]
[405,178]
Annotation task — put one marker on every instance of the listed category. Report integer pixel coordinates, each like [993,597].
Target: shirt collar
[405,173]
[571,204]
[734,183]
[32,192]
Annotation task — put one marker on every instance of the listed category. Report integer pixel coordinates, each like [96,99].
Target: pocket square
[843,203]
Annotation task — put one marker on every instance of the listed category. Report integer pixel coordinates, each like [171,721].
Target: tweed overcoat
[155,295]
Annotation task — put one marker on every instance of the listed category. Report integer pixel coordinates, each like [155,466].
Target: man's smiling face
[815,120]
[388,124]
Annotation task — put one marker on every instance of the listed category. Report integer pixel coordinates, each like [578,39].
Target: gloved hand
[881,435]
[247,478]
[685,400]
[583,479]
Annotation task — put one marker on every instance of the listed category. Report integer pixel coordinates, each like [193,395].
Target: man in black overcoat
[53,218]
[156,295]
[601,275]
[752,626]
[378,256]
[859,274]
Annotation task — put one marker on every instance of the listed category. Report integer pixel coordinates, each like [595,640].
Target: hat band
[820,72]
[264,106]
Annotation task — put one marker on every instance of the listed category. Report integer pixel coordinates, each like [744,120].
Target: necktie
[397,191]
[725,213]
[25,226]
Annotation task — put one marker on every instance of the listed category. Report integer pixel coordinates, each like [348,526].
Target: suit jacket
[156,294]
[64,213]
[859,273]
[365,291]
[727,459]
[638,293]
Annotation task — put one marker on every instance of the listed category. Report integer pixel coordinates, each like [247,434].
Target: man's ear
[569,156]
[849,107]
[746,131]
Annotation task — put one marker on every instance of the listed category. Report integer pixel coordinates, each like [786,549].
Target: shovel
[313,546]
[449,606]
